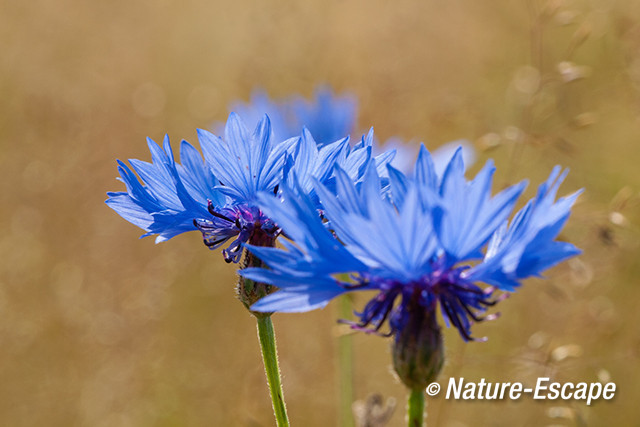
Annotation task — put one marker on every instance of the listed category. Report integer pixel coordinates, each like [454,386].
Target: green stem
[270,358]
[345,357]
[415,410]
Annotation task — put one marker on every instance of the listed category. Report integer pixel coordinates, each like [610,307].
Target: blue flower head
[245,164]
[219,195]
[428,242]
[328,116]
[216,196]
[420,243]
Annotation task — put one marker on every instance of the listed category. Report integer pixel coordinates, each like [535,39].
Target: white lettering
[539,388]
[544,390]
[452,387]
[609,391]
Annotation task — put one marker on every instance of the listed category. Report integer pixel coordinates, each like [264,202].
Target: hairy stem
[267,339]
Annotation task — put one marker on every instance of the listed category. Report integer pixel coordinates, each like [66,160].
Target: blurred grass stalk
[345,360]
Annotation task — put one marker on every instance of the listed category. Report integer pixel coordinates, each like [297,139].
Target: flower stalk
[250,291]
[415,408]
[267,339]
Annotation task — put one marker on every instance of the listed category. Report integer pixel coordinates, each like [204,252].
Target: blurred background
[99,328]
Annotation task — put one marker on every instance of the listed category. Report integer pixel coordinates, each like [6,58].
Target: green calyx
[418,350]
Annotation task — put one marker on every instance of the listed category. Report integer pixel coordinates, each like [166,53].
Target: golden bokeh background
[99,328]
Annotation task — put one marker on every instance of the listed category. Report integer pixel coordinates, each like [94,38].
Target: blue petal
[295,302]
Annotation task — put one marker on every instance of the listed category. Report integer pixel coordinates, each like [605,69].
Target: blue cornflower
[328,117]
[216,196]
[244,165]
[419,245]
